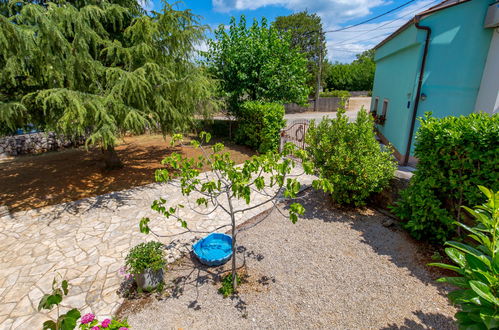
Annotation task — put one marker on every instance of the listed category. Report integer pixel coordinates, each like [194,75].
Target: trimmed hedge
[260,125]
[456,154]
[335,93]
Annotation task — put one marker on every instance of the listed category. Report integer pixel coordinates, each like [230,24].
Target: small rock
[388,222]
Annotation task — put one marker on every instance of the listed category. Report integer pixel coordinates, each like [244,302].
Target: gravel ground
[334,268]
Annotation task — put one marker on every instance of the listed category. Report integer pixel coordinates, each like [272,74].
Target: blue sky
[335,14]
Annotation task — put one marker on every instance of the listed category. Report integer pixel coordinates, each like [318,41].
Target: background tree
[257,64]
[356,76]
[307,34]
[100,69]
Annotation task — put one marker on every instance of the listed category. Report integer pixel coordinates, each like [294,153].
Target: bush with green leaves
[335,93]
[145,256]
[349,157]
[478,267]
[456,154]
[260,125]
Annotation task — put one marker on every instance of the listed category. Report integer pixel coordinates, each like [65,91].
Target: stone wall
[34,143]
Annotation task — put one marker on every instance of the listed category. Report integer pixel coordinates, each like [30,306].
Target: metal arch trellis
[295,133]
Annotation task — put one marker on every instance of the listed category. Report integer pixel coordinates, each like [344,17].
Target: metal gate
[295,133]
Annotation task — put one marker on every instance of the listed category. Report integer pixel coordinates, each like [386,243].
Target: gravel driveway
[333,269]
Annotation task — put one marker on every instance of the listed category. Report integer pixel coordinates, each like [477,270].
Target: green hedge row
[456,154]
[334,93]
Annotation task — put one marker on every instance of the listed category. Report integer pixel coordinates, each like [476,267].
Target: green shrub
[145,256]
[456,154]
[478,268]
[349,157]
[334,93]
[260,125]
[227,288]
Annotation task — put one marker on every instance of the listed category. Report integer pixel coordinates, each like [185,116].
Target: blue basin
[213,250]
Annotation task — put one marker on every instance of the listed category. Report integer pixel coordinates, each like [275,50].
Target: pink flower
[87,318]
[123,328]
[95,328]
[105,323]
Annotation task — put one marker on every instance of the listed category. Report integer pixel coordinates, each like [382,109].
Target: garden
[165,218]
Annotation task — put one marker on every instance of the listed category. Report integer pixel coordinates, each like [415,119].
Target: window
[375,107]
[385,107]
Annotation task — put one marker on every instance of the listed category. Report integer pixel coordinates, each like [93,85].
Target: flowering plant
[89,322]
[68,321]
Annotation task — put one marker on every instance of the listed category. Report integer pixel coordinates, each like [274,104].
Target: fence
[295,133]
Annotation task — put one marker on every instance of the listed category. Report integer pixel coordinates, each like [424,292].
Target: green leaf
[144,225]
[445,266]
[49,325]
[461,282]
[483,291]
[64,286]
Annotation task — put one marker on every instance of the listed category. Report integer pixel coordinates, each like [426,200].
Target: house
[444,60]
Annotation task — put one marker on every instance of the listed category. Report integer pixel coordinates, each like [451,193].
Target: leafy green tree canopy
[257,63]
[356,76]
[307,34]
[100,68]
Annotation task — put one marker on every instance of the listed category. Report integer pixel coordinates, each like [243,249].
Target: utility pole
[319,69]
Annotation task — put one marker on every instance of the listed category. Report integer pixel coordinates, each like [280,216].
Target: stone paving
[86,242]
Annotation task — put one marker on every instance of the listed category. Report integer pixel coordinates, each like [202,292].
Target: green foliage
[227,288]
[260,125]
[356,76]
[100,68]
[145,256]
[456,154]
[333,93]
[349,157]
[256,64]
[307,35]
[478,268]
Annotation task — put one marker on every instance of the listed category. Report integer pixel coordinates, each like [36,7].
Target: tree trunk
[111,158]
[234,234]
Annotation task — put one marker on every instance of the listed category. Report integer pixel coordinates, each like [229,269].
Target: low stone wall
[34,143]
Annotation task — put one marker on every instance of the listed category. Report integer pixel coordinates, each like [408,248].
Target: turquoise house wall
[457,53]
[397,64]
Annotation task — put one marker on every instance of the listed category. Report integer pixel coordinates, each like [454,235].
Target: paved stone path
[86,242]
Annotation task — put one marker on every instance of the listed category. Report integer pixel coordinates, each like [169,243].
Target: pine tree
[100,68]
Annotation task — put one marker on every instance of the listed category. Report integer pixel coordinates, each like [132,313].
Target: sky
[335,14]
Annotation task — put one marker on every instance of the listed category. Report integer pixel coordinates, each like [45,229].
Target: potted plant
[146,263]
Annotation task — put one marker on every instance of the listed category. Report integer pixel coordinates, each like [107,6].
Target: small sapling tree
[269,175]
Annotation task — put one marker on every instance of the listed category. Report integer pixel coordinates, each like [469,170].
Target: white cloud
[337,10]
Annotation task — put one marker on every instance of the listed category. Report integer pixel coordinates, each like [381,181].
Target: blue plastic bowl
[213,250]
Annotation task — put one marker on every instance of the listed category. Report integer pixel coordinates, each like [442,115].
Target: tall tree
[307,34]
[100,68]
[256,63]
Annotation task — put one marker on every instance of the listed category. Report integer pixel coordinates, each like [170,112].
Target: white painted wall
[488,94]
